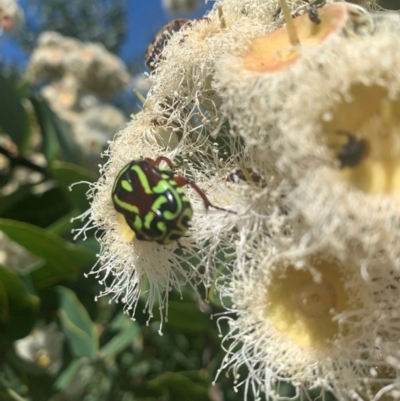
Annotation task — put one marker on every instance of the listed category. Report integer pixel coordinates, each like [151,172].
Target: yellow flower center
[367,131]
[126,232]
[302,306]
[315,299]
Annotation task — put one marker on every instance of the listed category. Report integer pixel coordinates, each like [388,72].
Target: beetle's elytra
[152,201]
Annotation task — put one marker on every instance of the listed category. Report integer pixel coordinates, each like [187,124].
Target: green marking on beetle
[123,171]
[168,215]
[181,228]
[162,187]
[158,202]
[179,190]
[137,224]
[165,176]
[126,206]
[162,227]
[185,198]
[143,179]
[187,213]
[148,219]
[125,184]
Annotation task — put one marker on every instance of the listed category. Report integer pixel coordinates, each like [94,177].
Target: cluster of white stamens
[298,133]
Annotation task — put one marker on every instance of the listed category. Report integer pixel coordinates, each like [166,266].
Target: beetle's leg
[178,165]
[166,160]
[181,181]
[181,247]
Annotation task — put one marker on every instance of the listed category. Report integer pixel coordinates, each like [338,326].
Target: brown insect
[246,174]
[155,49]
[313,14]
[354,151]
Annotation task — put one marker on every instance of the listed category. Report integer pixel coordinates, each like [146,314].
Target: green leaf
[13,117]
[68,174]
[57,135]
[17,306]
[14,396]
[120,341]
[9,201]
[22,87]
[50,145]
[63,259]
[63,225]
[91,244]
[65,378]
[185,317]
[76,325]
[37,208]
[69,148]
[40,242]
[179,387]
[10,376]
[119,322]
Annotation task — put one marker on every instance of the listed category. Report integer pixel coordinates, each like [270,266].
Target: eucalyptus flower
[313,321]
[291,132]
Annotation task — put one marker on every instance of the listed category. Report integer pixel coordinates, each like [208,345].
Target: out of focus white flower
[11,15]
[82,76]
[94,69]
[95,127]
[42,347]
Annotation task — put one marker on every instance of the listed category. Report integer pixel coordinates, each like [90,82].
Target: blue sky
[144,17]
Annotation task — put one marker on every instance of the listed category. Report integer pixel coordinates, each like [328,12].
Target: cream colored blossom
[312,321]
[309,260]
[360,97]
[11,16]
[43,347]
[128,261]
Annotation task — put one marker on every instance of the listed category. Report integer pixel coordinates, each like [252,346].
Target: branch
[22,161]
